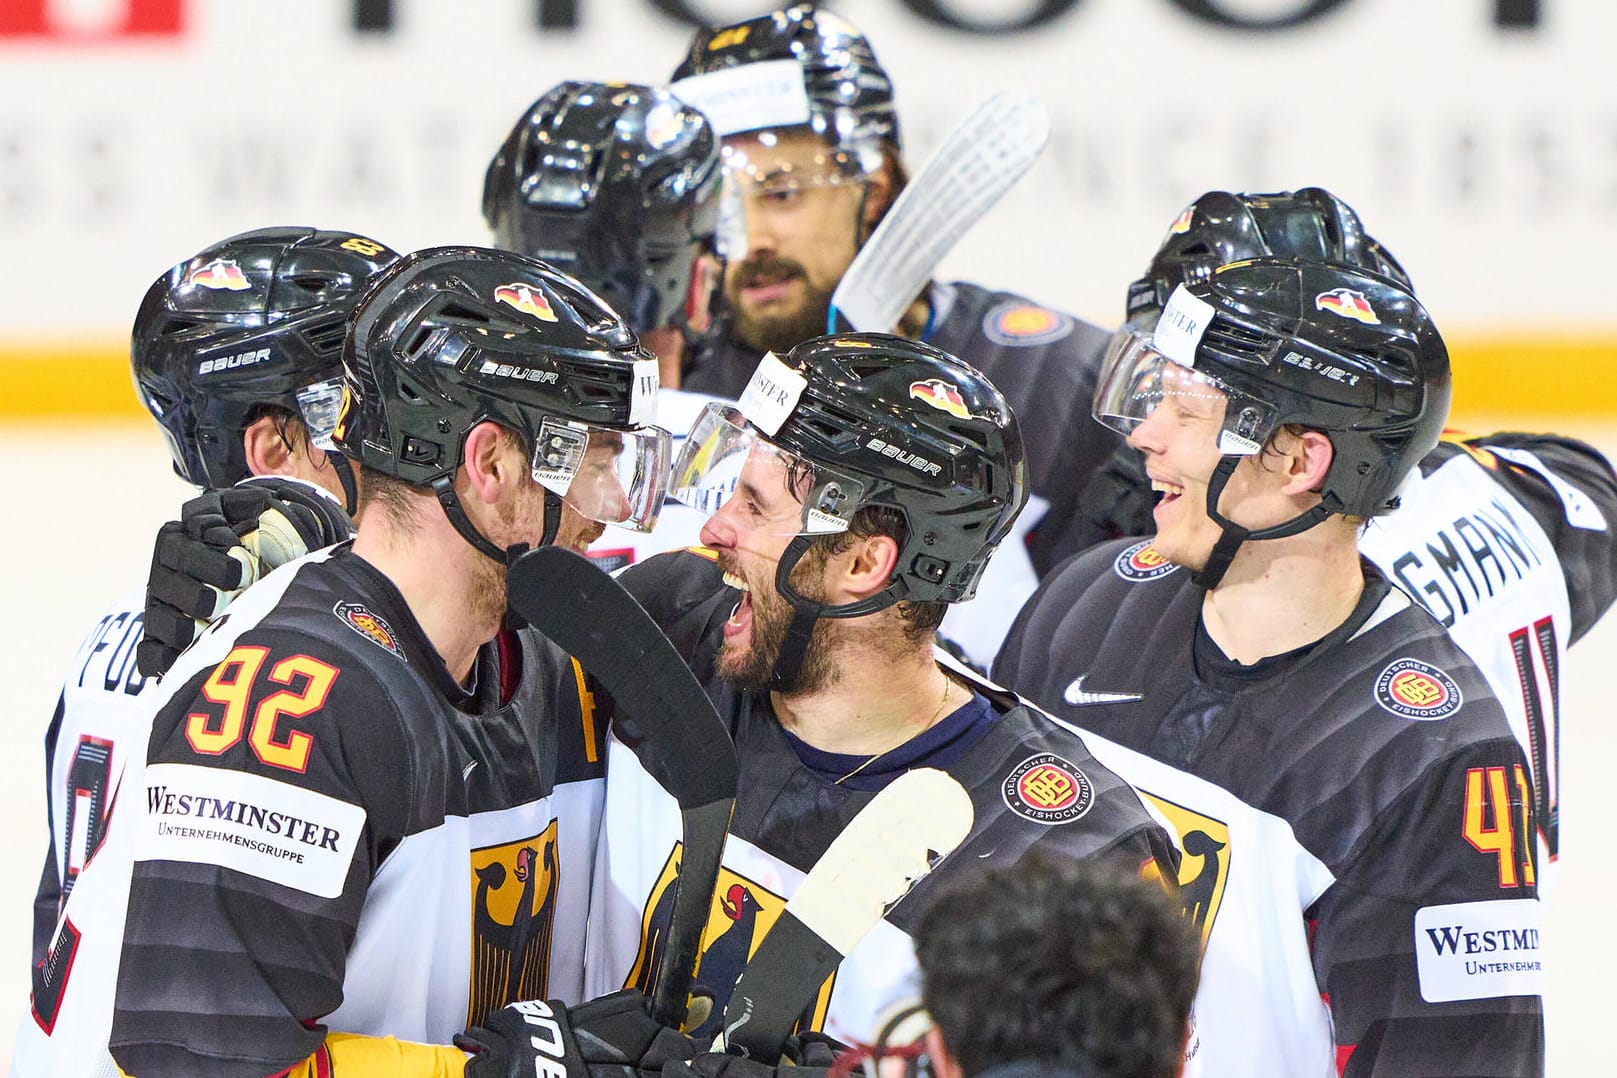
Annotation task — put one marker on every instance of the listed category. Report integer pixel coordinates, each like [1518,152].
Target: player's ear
[267,450]
[1308,460]
[867,565]
[881,188]
[489,461]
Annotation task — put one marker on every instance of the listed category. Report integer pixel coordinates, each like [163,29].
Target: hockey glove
[611,1037]
[807,1055]
[224,541]
[1117,501]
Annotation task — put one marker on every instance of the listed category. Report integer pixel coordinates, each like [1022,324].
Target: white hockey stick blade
[897,838]
[880,855]
[976,165]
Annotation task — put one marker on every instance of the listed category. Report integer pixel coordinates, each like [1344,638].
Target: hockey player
[618,185]
[1507,539]
[365,812]
[1359,849]
[814,158]
[857,489]
[236,354]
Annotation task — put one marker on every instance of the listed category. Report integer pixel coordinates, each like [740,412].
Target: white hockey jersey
[99,715]
[1471,541]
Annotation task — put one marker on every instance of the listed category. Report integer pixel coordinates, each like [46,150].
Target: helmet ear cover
[251,325]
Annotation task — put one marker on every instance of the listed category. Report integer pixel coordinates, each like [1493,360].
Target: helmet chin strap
[1232,535]
[805,612]
[444,488]
[345,475]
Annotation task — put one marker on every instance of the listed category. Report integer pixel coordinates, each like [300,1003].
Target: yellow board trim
[1494,375]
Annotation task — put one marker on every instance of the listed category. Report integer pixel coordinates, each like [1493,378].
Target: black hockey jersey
[1044,361]
[1032,783]
[329,832]
[1372,808]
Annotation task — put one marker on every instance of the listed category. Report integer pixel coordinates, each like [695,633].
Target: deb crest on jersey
[513,918]
[741,915]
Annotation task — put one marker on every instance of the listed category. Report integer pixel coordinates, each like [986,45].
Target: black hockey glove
[611,1037]
[1117,501]
[224,541]
[807,1055]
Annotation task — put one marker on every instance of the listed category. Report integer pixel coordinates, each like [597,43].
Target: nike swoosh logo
[1077,697]
[466,772]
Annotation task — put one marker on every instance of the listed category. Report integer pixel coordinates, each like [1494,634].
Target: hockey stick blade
[976,165]
[683,744]
[896,839]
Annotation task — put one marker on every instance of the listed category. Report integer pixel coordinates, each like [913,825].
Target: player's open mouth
[1169,491]
[741,617]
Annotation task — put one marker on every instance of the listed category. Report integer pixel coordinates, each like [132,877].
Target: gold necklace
[948,684]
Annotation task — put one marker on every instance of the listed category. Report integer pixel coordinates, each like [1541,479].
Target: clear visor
[319,404]
[726,462]
[1136,381]
[769,183]
[606,475]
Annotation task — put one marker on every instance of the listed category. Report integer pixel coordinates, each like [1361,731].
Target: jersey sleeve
[1025,656]
[1572,492]
[275,784]
[48,898]
[1426,947]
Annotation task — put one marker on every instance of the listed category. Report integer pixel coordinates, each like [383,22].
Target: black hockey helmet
[869,420]
[846,95]
[1328,347]
[255,320]
[615,184]
[1220,227]
[450,337]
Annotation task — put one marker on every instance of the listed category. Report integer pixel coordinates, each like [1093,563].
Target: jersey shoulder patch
[1016,323]
[1416,690]
[369,624]
[273,830]
[1048,789]
[1141,562]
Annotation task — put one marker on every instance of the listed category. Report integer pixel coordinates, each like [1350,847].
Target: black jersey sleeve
[276,783]
[1040,633]
[1588,554]
[685,594]
[1427,946]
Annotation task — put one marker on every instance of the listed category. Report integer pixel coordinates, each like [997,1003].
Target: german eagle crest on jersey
[741,915]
